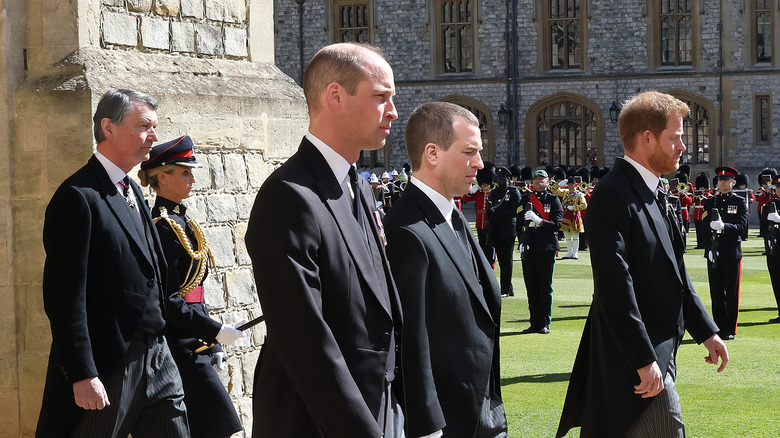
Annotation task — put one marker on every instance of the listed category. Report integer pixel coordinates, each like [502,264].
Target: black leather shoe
[729,338]
[544,331]
[775,320]
[531,330]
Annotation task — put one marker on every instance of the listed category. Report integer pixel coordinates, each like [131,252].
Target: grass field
[743,401]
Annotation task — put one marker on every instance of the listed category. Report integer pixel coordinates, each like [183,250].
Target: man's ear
[107,126]
[333,94]
[431,153]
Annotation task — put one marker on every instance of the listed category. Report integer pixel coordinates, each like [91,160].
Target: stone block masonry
[201,28]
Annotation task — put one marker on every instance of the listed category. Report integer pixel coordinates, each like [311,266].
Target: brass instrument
[584,186]
[682,187]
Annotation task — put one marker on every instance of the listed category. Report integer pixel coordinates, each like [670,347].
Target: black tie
[460,231]
[356,204]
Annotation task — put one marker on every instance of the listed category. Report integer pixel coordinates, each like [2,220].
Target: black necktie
[356,204]
[460,231]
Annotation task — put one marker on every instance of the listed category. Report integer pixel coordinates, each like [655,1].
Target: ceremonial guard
[701,193]
[538,221]
[725,220]
[573,204]
[682,191]
[586,188]
[504,200]
[770,221]
[766,194]
[481,198]
[194,337]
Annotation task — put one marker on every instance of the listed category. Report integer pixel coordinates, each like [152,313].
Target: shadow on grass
[759,309]
[573,306]
[537,378]
[752,324]
[562,318]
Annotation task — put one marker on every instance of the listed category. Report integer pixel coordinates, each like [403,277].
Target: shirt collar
[442,204]
[648,177]
[115,174]
[338,165]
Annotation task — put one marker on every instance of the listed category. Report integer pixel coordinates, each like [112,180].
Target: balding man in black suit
[328,366]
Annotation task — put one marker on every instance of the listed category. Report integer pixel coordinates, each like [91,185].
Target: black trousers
[146,396]
[724,292]
[699,225]
[483,236]
[504,250]
[538,270]
[773,264]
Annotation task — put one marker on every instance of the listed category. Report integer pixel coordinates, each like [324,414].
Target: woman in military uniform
[194,338]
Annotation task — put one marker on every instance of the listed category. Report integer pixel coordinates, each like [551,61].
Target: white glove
[228,333]
[218,361]
[532,224]
[774,217]
[473,189]
[533,217]
[711,257]
[570,207]
[717,225]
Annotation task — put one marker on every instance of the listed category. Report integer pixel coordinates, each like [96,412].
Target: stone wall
[620,59]
[244,115]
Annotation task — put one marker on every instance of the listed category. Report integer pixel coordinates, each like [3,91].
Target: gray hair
[115,105]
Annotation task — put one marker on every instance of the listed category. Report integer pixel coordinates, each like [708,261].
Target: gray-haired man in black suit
[110,370]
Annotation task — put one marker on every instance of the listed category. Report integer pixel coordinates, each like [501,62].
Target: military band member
[770,220]
[723,234]
[702,186]
[481,198]
[573,204]
[194,338]
[539,219]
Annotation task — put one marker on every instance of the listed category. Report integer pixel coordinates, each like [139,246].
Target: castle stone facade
[720,56]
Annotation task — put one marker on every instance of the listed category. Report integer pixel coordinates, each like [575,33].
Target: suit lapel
[118,206]
[449,241]
[339,205]
[653,213]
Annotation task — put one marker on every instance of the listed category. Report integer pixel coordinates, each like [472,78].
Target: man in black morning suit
[622,383]
[450,296]
[328,366]
[110,370]
[724,259]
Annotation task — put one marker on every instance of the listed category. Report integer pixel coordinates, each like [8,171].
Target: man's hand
[652,381]
[218,361]
[717,349]
[711,257]
[90,394]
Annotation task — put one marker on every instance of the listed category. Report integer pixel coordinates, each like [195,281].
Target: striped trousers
[145,393]
[663,417]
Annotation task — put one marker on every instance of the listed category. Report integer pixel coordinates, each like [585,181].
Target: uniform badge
[546,208]
[732,209]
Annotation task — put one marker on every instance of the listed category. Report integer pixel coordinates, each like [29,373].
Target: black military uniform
[723,249]
[189,328]
[504,200]
[538,245]
[770,230]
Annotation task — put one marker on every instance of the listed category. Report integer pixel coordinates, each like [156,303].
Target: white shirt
[443,204]
[648,177]
[338,165]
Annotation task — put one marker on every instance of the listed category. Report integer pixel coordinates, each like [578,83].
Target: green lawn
[743,401]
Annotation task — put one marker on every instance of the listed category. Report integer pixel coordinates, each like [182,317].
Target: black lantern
[503,114]
[614,112]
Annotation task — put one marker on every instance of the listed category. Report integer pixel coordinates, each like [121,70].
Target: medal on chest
[731,209]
